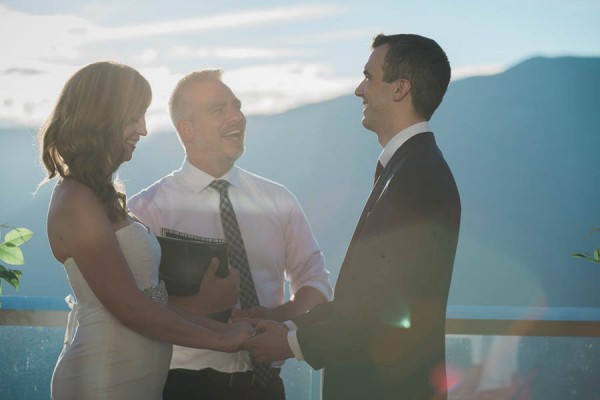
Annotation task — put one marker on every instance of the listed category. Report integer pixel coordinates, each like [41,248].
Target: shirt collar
[399,139]
[199,180]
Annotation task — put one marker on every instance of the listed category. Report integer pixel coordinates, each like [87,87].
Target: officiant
[269,239]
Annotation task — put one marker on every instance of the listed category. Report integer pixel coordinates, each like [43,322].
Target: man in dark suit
[383,335]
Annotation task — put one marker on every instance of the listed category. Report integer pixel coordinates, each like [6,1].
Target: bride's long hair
[83,137]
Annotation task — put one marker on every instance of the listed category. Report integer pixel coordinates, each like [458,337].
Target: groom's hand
[270,342]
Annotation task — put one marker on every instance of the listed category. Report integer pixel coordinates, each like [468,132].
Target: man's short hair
[421,61]
[177,108]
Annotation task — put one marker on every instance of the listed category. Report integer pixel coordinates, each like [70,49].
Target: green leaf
[12,276]
[597,255]
[580,255]
[11,255]
[18,236]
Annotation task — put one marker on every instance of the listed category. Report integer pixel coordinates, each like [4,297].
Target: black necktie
[378,171]
[239,259]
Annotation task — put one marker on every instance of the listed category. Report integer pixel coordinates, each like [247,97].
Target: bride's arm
[80,223]
[206,322]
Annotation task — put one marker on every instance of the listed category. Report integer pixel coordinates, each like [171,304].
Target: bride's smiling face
[134,130]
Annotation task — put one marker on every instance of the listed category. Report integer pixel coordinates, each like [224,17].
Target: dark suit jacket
[383,335]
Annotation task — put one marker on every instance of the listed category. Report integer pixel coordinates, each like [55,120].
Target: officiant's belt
[234,379]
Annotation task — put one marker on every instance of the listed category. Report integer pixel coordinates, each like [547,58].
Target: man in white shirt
[383,335]
[277,238]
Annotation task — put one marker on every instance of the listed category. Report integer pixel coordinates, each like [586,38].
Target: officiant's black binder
[185,259]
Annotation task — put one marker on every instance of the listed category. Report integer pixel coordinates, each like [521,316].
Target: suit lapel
[390,169]
[378,188]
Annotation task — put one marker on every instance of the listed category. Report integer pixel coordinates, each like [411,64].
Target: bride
[121,348]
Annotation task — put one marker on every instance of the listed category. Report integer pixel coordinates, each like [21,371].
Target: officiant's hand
[215,293]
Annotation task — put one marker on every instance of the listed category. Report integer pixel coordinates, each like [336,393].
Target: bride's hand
[236,334]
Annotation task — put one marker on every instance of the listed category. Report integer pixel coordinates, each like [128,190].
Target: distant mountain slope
[521,144]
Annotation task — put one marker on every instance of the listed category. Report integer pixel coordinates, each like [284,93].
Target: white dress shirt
[399,139]
[278,239]
[386,155]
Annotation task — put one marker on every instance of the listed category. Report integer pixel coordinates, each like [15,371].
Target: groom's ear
[401,88]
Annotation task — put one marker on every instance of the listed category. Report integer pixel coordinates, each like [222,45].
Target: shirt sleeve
[142,209]
[305,264]
[294,345]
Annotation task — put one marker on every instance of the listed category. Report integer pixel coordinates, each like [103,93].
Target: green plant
[594,256]
[10,253]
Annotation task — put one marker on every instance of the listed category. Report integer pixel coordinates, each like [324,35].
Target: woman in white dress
[121,348]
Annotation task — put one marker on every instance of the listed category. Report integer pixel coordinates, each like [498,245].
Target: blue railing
[498,352]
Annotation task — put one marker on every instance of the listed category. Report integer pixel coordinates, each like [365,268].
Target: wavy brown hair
[83,137]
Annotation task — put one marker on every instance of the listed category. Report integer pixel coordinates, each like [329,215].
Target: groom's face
[377,95]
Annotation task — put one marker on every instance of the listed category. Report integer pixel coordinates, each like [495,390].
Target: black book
[185,259]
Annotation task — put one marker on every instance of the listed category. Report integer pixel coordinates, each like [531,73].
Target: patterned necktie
[378,171]
[239,259]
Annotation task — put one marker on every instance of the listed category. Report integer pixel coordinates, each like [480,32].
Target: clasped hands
[268,342]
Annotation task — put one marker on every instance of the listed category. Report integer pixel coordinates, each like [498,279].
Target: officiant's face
[217,125]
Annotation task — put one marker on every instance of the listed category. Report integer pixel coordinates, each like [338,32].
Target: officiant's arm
[304,269]
[215,293]
[303,301]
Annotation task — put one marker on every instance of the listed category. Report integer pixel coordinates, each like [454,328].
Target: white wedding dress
[104,359]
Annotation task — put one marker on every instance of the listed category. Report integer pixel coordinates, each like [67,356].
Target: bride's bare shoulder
[70,192]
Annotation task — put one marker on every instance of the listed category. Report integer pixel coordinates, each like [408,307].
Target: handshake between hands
[254,331]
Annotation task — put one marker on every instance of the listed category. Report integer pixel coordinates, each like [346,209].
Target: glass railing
[512,353]
[523,353]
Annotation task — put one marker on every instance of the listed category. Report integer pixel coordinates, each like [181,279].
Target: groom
[383,335]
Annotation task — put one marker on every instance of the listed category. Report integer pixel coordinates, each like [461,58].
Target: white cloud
[36,64]
[363,33]
[274,88]
[146,56]
[26,99]
[61,37]
[34,37]
[238,20]
[234,53]
[476,70]
[245,53]
[188,52]
[46,50]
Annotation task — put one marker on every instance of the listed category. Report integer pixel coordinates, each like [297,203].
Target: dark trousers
[208,384]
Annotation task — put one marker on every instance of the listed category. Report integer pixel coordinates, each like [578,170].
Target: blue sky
[276,54]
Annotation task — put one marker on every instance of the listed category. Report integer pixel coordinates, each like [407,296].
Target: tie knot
[220,185]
